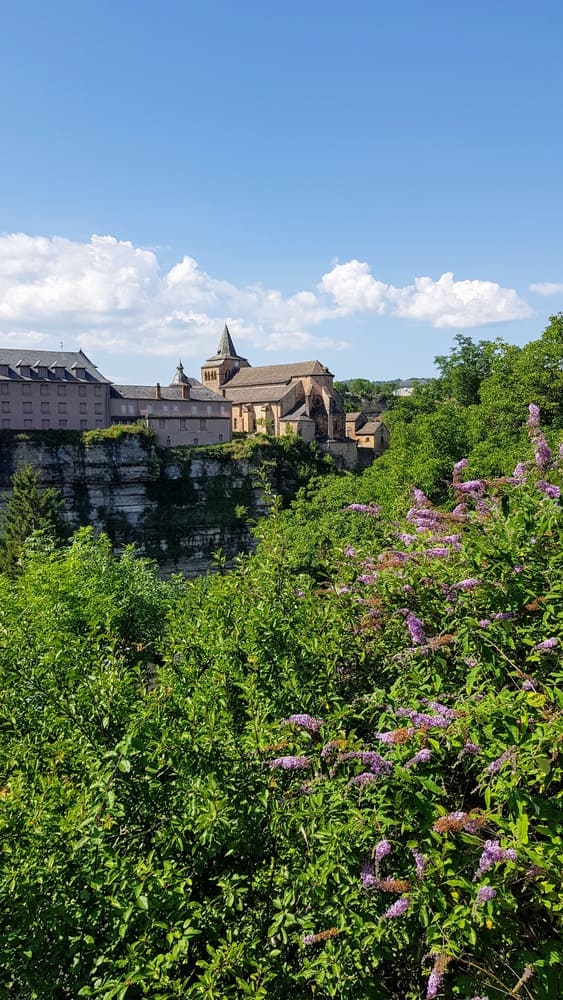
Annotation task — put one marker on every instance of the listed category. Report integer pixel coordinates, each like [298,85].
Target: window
[220,437]
[61,390]
[5,406]
[45,424]
[182,423]
[28,424]
[4,388]
[196,440]
[97,407]
[98,423]
[161,422]
[62,407]
[235,423]
[83,425]
[82,390]
[202,424]
[27,407]
[97,390]
[43,389]
[26,389]
[84,408]
[44,407]
[63,423]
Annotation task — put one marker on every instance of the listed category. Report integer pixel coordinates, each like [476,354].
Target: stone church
[274,398]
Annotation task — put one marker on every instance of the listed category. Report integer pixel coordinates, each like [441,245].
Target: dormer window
[58,371]
[41,370]
[23,370]
[79,372]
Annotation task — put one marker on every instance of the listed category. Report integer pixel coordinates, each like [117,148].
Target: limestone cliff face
[178,506]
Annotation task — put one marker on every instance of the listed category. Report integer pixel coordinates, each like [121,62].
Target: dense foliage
[335,775]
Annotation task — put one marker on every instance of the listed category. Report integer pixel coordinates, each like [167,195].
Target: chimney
[185,390]
[157,391]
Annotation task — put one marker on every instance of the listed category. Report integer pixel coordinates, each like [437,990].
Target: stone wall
[177,505]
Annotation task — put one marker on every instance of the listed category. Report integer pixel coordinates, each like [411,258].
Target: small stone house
[369,432]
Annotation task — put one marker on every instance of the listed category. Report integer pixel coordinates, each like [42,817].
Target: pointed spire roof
[226,347]
[179,377]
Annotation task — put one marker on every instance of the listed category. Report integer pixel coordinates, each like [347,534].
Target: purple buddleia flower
[549,489]
[459,509]
[367,578]
[485,894]
[502,616]
[470,747]
[546,645]
[397,908]
[437,553]
[542,454]
[290,763]
[520,472]
[470,661]
[422,757]
[469,584]
[534,416]
[303,721]
[349,551]
[416,628]
[373,760]
[450,539]
[363,779]
[435,981]
[495,765]
[362,508]
[420,862]
[493,854]
[437,706]
[382,849]
[405,538]
[484,623]
[458,469]
[368,879]
[518,568]
[528,685]
[430,721]
[475,487]
[420,497]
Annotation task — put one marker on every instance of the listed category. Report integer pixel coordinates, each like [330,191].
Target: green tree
[31,509]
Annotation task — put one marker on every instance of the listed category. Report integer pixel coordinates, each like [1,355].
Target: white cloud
[110,295]
[547,288]
[443,303]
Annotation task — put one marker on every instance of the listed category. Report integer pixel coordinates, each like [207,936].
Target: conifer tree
[31,509]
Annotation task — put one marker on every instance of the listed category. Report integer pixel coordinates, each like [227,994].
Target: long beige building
[44,390]
[63,390]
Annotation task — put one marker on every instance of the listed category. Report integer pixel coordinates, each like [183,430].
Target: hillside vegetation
[334,772]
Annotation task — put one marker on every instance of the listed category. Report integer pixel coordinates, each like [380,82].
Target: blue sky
[306,171]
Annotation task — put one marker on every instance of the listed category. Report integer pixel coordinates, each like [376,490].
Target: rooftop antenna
[61,345]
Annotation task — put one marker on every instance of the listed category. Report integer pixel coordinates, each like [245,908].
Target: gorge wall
[178,505]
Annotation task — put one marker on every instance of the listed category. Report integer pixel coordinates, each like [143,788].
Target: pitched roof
[69,360]
[197,392]
[255,394]
[270,374]
[226,349]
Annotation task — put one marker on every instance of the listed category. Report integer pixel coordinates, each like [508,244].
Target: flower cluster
[303,721]
[469,822]
[398,908]
[485,894]
[290,763]
[493,854]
